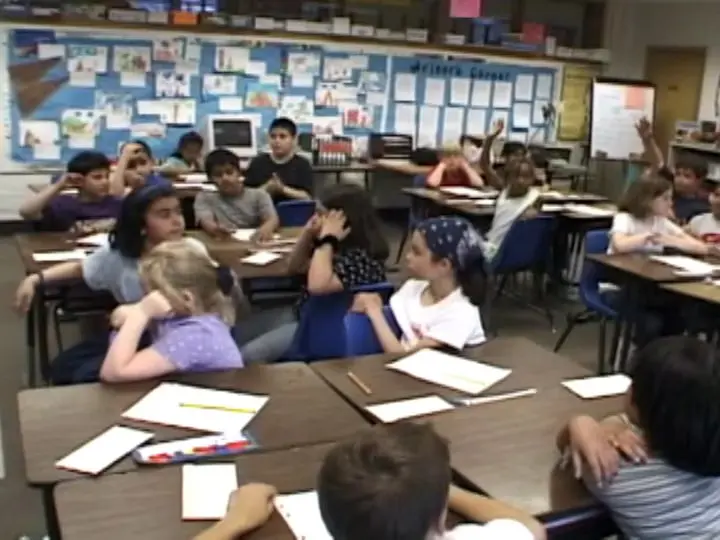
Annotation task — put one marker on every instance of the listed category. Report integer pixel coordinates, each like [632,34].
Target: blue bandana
[453,238]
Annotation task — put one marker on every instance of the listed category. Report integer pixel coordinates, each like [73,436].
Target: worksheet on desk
[301,512]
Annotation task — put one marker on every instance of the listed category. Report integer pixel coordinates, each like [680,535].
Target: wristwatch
[328,239]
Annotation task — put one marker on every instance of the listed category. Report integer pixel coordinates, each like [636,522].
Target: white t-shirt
[624,223]
[706,227]
[453,321]
[499,529]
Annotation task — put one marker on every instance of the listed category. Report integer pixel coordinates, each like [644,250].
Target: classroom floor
[20,509]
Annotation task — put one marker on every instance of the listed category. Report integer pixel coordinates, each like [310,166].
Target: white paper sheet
[243,235]
[393,411]
[502,95]
[301,512]
[202,409]
[588,210]
[524,86]
[198,178]
[261,258]
[453,124]
[99,240]
[59,256]
[428,126]
[405,87]
[597,387]
[481,91]
[459,91]
[206,490]
[521,115]
[450,371]
[476,121]
[544,84]
[98,454]
[405,119]
[471,193]
[686,264]
[434,91]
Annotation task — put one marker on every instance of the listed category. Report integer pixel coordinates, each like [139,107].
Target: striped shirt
[656,501]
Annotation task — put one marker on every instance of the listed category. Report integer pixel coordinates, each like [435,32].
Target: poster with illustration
[372,81]
[131,59]
[259,95]
[299,109]
[117,108]
[39,133]
[170,84]
[79,127]
[231,59]
[87,59]
[168,50]
[356,116]
[178,112]
[303,63]
[220,85]
[332,94]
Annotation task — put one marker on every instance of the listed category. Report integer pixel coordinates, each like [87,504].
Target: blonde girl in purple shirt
[186,313]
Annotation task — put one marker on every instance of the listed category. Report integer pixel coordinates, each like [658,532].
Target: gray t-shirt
[507,211]
[655,501]
[706,227]
[108,270]
[250,209]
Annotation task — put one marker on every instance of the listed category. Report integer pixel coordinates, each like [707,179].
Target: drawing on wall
[131,59]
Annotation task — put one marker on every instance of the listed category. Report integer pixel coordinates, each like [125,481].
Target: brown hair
[639,195]
[175,267]
[389,482]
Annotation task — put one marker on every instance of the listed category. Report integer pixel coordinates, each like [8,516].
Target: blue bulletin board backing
[75,90]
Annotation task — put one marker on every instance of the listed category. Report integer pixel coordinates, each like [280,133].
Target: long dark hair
[127,234]
[473,282]
[365,232]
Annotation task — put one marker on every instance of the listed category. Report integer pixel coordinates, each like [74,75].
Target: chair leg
[602,338]
[401,247]
[56,328]
[571,322]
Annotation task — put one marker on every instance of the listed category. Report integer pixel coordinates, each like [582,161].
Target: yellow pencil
[217,408]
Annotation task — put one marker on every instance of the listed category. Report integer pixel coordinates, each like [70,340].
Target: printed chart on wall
[617,105]
[574,118]
[72,90]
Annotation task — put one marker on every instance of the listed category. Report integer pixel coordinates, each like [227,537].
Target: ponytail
[473,282]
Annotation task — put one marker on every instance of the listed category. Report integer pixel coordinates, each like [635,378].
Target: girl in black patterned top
[340,248]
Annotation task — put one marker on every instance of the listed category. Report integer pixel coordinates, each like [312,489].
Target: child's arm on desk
[60,272]
[250,507]
[482,509]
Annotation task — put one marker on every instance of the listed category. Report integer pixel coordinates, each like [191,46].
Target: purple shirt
[196,343]
[67,211]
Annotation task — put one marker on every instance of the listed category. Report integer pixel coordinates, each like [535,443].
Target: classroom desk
[228,252]
[639,277]
[697,290]
[506,449]
[301,410]
[147,503]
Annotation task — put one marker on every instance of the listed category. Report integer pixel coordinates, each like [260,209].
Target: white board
[616,108]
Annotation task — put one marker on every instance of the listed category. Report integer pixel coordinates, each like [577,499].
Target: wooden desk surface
[226,251]
[302,410]
[698,290]
[642,266]
[506,449]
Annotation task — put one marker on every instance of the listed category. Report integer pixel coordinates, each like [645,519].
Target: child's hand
[130,150]
[261,235]
[333,224]
[313,226]
[155,305]
[625,440]
[70,180]
[249,507]
[498,127]
[589,444]
[366,302]
[644,128]
[25,294]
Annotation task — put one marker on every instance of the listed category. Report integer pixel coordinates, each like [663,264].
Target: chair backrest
[596,243]
[295,213]
[526,245]
[321,331]
[360,337]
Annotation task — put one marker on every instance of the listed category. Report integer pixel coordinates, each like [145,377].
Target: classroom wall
[631,27]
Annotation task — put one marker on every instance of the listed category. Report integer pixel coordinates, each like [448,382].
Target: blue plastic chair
[360,336]
[595,302]
[295,213]
[526,248]
[414,215]
[321,329]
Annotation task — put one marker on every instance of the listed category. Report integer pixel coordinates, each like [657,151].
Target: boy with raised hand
[94,207]
[282,173]
[135,167]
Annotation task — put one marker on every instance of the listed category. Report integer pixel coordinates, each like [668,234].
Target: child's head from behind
[187,278]
[361,218]
[689,176]
[190,146]
[148,216]
[387,483]
[713,188]
[283,132]
[448,248]
[452,156]
[648,197]
[519,176]
[674,399]
[223,168]
[94,169]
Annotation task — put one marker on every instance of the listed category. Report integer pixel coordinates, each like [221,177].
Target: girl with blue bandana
[439,305]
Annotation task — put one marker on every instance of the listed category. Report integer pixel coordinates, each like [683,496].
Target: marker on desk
[490,399]
[361,385]
[217,408]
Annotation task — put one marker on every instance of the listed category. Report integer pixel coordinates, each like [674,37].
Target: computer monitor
[235,132]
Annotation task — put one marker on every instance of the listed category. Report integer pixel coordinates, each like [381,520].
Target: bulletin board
[616,107]
[73,90]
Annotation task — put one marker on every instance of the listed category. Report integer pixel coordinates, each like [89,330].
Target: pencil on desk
[217,408]
[361,385]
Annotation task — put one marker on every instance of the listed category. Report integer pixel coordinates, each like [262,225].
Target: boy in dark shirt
[94,207]
[282,173]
